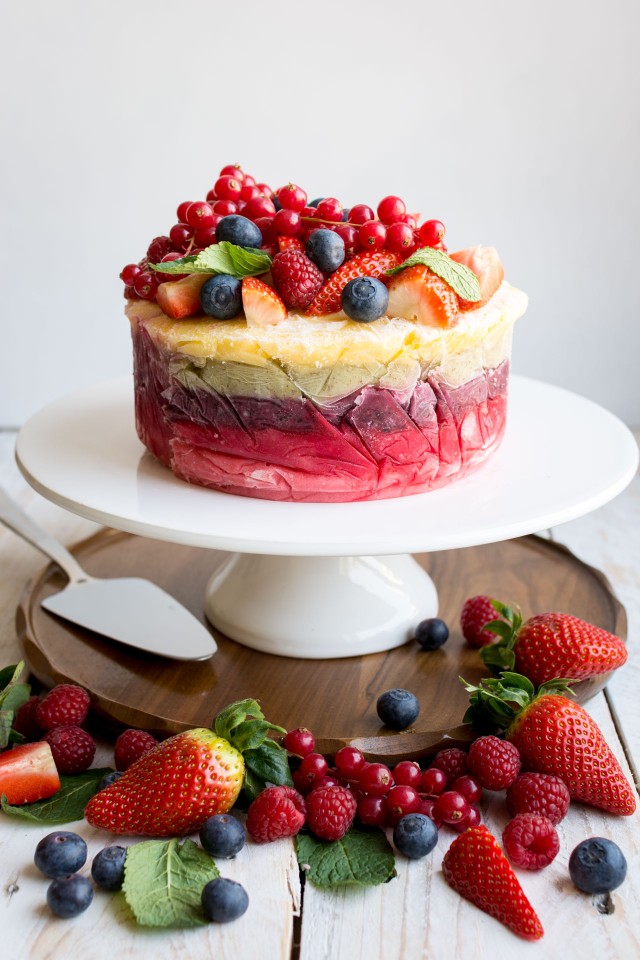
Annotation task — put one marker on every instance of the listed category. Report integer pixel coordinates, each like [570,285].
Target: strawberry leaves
[243,724]
[495,703]
[501,655]
[12,695]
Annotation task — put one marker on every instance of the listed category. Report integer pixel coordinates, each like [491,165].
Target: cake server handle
[13,517]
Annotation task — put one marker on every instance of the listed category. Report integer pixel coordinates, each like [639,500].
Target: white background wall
[516,123]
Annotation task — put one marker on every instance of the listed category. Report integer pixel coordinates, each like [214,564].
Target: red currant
[225,207]
[329,209]
[350,236]
[473,819]
[407,772]
[129,273]
[292,197]
[375,778]
[431,232]
[267,229]
[233,170]
[181,236]
[468,787]
[308,212]
[199,214]
[390,209]
[264,189]
[451,807]
[259,207]
[349,761]
[372,235]
[300,742]
[228,188]
[313,767]
[360,214]
[250,193]
[372,811]
[145,285]
[249,181]
[287,222]
[206,236]
[399,237]
[181,212]
[433,781]
[165,277]
[401,800]
[427,807]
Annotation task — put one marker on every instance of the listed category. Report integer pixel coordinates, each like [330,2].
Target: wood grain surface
[334,698]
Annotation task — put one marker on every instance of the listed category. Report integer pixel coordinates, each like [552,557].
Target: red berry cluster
[57,717]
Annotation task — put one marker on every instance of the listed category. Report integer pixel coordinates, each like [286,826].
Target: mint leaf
[12,695]
[267,763]
[223,257]
[10,674]
[66,805]
[461,279]
[163,882]
[363,857]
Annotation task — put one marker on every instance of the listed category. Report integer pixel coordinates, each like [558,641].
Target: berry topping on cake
[487,266]
[262,305]
[328,300]
[221,296]
[296,278]
[418,294]
[181,298]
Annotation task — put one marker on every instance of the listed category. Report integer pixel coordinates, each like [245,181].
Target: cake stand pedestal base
[319,607]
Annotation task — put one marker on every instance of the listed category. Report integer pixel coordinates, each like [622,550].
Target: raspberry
[494,763]
[296,278]
[276,812]
[25,721]
[477,612]
[530,841]
[65,705]
[330,812]
[72,747]
[130,746]
[539,793]
[452,761]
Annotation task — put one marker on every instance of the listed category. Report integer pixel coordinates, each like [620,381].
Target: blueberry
[107,868]
[597,865]
[432,633]
[415,835]
[365,299]
[60,853]
[109,778]
[222,836]
[345,214]
[398,708]
[326,249]
[221,296]
[224,900]
[314,203]
[69,896]
[237,229]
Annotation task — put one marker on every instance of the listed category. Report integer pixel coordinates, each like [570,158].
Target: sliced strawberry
[419,294]
[262,305]
[290,243]
[487,265]
[374,264]
[28,773]
[181,298]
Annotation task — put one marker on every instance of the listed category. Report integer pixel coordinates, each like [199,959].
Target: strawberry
[181,298]
[28,773]
[290,243]
[486,264]
[374,264]
[419,294]
[180,783]
[552,645]
[477,869]
[262,305]
[554,735]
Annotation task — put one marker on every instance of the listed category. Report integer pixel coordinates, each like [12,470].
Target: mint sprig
[13,694]
[363,858]
[223,257]
[460,278]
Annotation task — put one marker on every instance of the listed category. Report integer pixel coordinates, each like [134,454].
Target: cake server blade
[127,609]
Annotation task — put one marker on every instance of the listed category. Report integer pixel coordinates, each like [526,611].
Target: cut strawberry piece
[328,298]
[181,298]
[28,773]
[487,265]
[419,294]
[290,243]
[262,305]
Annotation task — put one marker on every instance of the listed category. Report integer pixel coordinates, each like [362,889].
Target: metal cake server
[127,609]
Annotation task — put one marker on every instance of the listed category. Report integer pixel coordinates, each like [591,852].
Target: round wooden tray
[334,698]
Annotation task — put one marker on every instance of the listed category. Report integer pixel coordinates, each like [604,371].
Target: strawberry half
[328,298]
[180,783]
[420,295]
[262,305]
[476,868]
[181,298]
[552,645]
[554,735]
[28,773]
[487,265]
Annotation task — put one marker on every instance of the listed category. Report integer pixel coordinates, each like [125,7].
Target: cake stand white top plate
[562,456]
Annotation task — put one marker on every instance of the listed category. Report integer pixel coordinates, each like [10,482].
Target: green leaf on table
[163,882]
[460,278]
[66,805]
[223,257]
[363,857]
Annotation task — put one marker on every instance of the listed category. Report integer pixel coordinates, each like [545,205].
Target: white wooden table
[413,916]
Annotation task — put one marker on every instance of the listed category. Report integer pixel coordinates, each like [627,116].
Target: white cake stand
[328,580]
